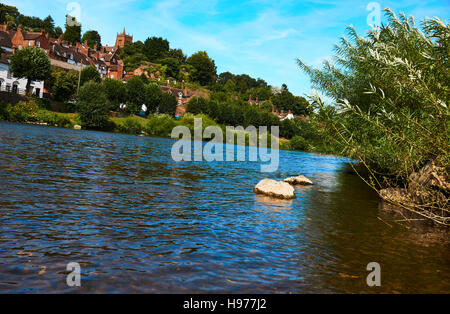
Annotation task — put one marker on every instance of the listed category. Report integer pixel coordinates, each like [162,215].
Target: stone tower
[123,38]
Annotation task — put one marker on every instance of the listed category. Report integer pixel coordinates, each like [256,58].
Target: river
[137,221]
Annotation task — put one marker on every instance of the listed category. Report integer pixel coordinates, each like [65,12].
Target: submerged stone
[299,180]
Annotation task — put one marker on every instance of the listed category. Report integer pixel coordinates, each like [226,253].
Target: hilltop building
[123,39]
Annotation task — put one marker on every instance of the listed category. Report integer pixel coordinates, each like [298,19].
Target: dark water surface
[137,221]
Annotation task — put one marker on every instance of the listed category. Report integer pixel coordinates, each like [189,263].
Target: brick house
[22,39]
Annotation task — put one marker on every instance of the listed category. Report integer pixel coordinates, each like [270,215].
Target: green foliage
[92,106]
[31,63]
[391,90]
[267,105]
[135,94]
[173,66]
[197,105]
[64,84]
[177,54]
[155,48]
[160,125]
[153,97]
[90,73]
[168,104]
[93,38]
[299,143]
[285,100]
[206,71]
[54,118]
[115,91]
[20,112]
[129,125]
[73,30]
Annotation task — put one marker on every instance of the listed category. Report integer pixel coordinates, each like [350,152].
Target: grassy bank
[153,125]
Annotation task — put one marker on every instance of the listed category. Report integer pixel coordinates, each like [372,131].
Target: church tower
[123,38]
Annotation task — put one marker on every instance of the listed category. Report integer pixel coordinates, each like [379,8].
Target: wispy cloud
[260,37]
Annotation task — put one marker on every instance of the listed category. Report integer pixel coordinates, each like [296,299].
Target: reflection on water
[137,221]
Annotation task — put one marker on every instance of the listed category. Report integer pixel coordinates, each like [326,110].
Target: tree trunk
[27,91]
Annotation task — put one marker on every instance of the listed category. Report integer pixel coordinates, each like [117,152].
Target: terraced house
[62,54]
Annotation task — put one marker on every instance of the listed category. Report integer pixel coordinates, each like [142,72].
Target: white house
[11,84]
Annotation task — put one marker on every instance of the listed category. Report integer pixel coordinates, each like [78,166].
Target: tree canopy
[31,63]
[93,38]
[206,71]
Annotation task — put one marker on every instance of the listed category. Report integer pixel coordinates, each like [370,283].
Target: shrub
[130,125]
[92,106]
[53,118]
[197,105]
[168,104]
[161,125]
[299,143]
[21,112]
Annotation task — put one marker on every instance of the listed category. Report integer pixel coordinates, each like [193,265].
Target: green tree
[115,91]
[92,106]
[173,66]
[267,106]
[31,63]
[197,105]
[73,30]
[65,84]
[168,104]
[153,96]
[90,73]
[48,24]
[206,71]
[156,48]
[93,38]
[177,54]
[135,94]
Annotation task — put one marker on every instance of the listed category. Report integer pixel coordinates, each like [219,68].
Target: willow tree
[391,90]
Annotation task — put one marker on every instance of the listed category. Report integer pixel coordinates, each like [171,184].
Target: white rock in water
[77,127]
[274,188]
[300,180]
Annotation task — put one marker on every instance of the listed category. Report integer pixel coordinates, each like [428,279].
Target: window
[38,43]
[8,75]
[30,43]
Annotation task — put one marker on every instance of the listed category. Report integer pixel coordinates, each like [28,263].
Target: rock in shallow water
[274,188]
[300,180]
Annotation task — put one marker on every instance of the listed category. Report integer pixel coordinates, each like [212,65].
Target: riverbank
[160,125]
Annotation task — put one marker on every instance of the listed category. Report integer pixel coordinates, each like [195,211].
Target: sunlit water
[137,221]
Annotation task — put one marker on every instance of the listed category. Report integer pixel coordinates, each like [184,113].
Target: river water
[137,221]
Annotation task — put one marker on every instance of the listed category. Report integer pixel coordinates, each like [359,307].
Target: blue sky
[259,37]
